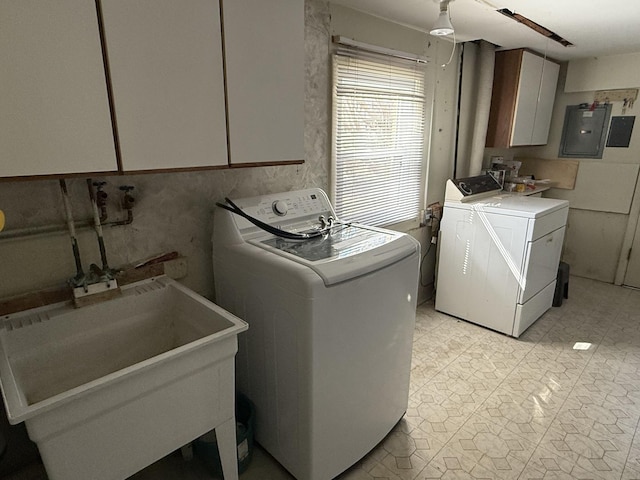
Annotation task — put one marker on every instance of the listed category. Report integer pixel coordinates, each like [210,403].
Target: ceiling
[595,27]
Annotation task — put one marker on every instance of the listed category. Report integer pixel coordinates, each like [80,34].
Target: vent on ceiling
[536,27]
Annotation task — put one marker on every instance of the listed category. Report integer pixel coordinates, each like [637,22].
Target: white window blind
[378,137]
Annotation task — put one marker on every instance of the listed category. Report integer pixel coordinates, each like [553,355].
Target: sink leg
[226,436]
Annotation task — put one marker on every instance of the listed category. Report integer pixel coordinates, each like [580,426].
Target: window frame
[387,56]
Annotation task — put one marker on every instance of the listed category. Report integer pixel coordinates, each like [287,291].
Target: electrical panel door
[585,130]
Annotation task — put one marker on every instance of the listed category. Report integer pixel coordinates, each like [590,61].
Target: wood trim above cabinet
[503,101]
[175,170]
[267,164]
[114,173]
[53,176]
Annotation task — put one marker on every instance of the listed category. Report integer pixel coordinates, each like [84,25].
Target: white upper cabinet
[534,104]
[139,85]
[524,89]
[165,61]
[544,109]
[54,108]
[264,52]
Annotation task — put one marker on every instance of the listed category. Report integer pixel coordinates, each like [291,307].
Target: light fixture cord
[444,65]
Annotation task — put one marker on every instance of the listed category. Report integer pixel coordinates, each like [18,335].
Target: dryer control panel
[474,185]
[471,188]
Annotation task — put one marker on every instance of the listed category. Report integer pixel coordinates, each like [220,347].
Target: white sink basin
[108,389]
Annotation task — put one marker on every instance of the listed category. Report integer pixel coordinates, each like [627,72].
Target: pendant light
[443,25]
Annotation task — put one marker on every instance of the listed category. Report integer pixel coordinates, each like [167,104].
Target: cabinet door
[534,104]
[264,53]
[54,109]
[165,60]
[527,99]
[546,99]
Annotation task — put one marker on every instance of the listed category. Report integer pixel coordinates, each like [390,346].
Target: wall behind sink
[174,210]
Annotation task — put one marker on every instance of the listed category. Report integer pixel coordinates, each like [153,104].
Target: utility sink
[110,388]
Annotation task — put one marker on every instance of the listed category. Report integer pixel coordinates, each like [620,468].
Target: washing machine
[331,312]
[498,254]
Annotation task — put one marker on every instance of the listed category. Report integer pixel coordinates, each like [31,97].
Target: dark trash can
[206,446]
[562,284]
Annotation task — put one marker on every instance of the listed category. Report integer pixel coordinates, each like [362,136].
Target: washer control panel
[285,209]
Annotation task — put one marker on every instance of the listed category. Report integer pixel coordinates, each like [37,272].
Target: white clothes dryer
[499,254]
[327,356]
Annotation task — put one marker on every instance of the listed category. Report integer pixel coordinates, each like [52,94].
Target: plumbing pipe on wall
[484,88]
[80,278]
[98,228]
[101,200]
[467,102]
[128,203]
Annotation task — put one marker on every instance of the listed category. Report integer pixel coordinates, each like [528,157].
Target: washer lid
[350,251]
[514,205]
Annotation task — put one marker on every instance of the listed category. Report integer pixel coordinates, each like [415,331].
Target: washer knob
[280,207]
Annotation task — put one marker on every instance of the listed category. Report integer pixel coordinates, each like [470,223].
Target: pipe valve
[101,195]
[101,200]
[128,201]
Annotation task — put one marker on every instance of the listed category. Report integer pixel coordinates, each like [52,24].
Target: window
[378,137]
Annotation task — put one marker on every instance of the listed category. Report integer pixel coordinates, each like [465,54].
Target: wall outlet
[428,215]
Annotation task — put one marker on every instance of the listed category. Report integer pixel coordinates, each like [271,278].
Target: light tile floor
[486,406]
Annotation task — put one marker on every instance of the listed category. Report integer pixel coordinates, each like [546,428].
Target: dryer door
[541,263]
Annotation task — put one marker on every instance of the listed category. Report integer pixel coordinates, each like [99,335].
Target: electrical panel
[585,131]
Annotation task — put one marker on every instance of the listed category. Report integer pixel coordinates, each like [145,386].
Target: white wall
[601,201]
[174,210]
[442,83]
[442,95]
[595,73]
